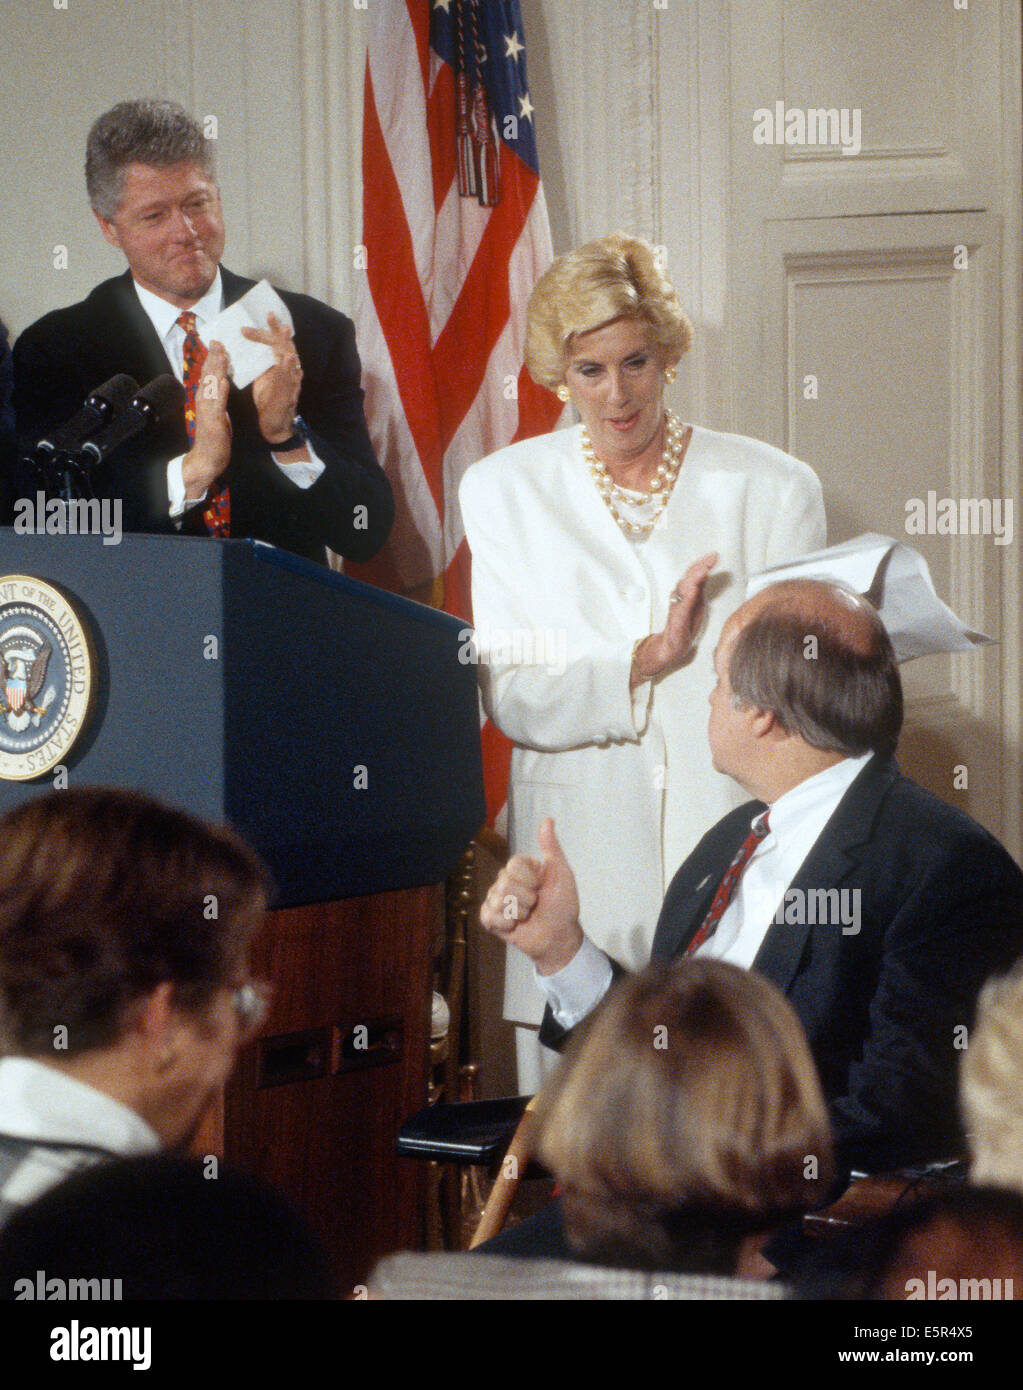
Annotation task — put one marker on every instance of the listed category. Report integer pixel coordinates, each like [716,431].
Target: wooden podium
[336,727]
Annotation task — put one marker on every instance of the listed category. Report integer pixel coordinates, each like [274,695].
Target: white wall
[616,85]
[283,81]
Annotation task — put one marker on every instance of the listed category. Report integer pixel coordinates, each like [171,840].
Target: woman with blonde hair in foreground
[684,1125]
[991,1083]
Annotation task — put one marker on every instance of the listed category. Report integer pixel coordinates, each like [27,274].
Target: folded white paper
[248,360]
[897,581]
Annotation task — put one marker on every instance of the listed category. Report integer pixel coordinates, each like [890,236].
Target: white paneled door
[874,321]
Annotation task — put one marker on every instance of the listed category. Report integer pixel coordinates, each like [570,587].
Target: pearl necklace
[661,484]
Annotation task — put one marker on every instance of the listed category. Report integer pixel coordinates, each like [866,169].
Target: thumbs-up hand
[534,905]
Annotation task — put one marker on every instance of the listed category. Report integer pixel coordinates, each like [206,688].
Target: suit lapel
[676,931]
[703,896]
[142,350]
[234,286]
[692,890]
[839,850]
[137,343]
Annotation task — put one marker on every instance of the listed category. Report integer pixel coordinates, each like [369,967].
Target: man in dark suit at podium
[289,461]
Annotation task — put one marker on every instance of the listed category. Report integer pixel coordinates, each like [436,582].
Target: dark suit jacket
[69,352]
[887,1008]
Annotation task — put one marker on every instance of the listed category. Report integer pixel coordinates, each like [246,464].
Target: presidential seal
[46,677]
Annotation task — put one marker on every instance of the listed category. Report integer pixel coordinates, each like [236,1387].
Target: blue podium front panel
[333,724]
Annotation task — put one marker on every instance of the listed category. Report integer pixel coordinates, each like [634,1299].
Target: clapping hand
[664,651]
[210,453]
[275,392]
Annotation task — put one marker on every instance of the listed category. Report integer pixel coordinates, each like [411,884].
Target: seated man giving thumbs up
[877,909]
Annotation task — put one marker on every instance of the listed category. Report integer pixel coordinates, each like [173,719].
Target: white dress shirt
[164,318]
[57,1113]
[796,822]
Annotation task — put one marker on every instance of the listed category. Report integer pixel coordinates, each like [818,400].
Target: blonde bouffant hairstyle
[991,1084]
[686,1116]
[617,277]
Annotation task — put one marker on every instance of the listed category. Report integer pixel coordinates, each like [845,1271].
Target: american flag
[455,235]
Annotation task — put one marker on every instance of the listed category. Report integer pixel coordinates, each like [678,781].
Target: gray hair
[142,132]
[832,682]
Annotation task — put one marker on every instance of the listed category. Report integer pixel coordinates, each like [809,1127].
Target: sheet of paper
[248,360]
[896,579]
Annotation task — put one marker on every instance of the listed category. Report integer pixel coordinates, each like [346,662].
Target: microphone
[161,399]
[101,407]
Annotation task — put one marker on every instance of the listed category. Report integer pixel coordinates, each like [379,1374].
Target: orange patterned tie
[217,513]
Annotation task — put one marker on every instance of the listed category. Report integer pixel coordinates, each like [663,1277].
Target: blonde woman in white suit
[592,551]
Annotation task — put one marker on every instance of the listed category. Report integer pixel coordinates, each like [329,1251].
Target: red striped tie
[728,885]
[217,513]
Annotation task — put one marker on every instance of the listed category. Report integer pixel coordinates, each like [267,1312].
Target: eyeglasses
[251,1004]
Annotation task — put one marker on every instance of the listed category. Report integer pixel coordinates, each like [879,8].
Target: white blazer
[560,596]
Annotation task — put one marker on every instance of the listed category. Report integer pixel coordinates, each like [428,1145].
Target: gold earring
[670,374]
[562,393]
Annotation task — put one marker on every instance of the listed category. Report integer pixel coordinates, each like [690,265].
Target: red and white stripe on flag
[455,234]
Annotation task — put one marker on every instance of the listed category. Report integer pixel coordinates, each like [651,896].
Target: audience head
[125,930]
[615,278]
[157,133]
[167,1228]
[686,1117]
[991,1086]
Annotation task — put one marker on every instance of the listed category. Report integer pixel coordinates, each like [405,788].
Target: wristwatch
[294,441]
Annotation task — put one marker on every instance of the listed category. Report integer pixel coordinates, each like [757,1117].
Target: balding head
[850,617]
[817,657]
